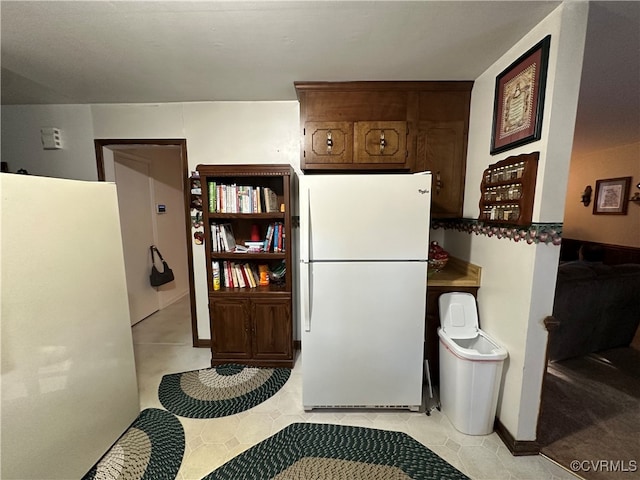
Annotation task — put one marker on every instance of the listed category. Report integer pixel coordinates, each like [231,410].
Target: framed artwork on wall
[519,99]
[612,196]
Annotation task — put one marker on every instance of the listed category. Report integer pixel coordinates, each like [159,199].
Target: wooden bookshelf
[251,324]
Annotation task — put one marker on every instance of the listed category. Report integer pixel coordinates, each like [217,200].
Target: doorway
[135,199]
[153,177]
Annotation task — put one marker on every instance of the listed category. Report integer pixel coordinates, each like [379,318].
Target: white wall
[216,133]
[518,279]
[22,147]
[168,190]
[579,221]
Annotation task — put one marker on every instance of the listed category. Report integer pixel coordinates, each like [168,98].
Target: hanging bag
[158,278]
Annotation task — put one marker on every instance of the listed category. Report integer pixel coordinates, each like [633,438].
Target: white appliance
[364,242]
[69,385]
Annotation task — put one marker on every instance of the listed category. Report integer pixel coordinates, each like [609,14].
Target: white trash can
[470,366]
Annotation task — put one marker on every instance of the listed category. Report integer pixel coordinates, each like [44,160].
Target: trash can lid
[458,315]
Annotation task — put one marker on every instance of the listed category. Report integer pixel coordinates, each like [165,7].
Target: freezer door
[364,344]
[364,217]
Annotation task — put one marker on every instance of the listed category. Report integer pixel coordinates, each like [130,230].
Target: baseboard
[206,343]
[203,343]
[166,301]
[517,448]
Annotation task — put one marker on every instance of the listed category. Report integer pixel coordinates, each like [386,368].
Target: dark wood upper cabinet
[389,126]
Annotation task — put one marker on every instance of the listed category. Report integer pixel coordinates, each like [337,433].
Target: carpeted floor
[591,412]
[337,452]
[219,391]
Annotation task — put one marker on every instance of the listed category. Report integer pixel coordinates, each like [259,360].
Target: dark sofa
[596,306]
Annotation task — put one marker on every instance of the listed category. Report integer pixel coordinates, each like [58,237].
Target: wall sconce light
[636,196]
[586,196]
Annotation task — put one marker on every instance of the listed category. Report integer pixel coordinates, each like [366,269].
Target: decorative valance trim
[534,233]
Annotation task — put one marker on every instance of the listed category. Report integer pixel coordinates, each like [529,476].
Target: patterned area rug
[219,391]
[151,449]
[337,452]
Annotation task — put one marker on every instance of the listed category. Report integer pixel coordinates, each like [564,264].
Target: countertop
[457,273]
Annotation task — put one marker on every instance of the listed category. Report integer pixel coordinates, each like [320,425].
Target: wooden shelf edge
[457,273]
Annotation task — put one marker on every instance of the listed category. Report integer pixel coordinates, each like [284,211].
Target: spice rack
[507,190]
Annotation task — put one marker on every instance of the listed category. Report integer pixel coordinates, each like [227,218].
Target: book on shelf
[212,196]
[276,233]
[237,272]
[230,274]
[270,200]
[223,239]
[214,237]
[278,242]
[258,196]
[254,272]
[254,275]
[245,278]
[234,275]
[254,246]
[268,239]
[228,239]
[219,241]
[233,198]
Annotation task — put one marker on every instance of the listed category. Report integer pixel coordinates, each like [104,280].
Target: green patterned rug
[151,449]
[336,452]
[219,391]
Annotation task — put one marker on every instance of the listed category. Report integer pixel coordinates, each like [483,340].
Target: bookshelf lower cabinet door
[230,329]
[272,337]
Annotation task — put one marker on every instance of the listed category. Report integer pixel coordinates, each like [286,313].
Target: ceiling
[90,52]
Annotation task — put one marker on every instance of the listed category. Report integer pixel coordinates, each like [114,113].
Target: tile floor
[162,345]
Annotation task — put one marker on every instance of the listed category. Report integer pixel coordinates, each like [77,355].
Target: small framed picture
[612,196]
[519,99]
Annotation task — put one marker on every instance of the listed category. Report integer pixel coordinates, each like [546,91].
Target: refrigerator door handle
[305,225]
[305,287]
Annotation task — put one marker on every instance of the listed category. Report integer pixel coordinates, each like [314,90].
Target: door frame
[100,144]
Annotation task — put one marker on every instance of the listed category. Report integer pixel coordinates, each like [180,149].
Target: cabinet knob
[383,142]
[329,141]
[438,182]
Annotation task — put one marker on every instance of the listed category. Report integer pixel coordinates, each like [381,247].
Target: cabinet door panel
[272,329]
[328,142]
[440,150]
[230,335]
[380,142]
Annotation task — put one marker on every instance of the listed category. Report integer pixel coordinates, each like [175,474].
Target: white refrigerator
[364,242]
[69,387]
